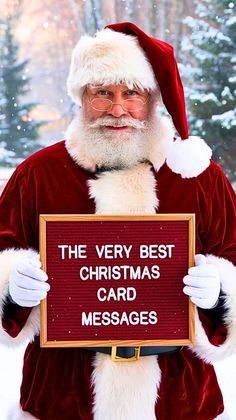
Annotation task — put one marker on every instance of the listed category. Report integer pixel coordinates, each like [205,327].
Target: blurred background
[36,41]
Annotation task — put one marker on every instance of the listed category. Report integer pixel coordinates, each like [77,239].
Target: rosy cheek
[93,114]
[97,114]
[140,115]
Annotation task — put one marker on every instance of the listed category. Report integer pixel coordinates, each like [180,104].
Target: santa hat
[123,53]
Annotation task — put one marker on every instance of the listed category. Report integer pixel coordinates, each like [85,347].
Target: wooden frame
[45,218]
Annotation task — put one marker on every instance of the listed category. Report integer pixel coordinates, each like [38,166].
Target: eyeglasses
[130,105]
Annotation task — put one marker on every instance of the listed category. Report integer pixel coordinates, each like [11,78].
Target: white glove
[203,283]
[27,283]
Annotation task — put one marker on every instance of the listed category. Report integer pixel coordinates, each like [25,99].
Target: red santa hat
[123,53]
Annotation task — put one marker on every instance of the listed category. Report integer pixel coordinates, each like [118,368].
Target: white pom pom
[190,157]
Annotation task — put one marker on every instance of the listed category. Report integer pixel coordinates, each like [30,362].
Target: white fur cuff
[8,258]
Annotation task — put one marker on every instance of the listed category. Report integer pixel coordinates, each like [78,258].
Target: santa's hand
[27,283]
[202,283]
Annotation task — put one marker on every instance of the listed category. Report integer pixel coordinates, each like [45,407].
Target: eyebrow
[107,87]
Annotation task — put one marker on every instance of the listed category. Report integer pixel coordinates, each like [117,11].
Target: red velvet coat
[56,383]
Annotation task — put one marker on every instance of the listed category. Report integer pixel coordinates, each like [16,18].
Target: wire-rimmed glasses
[130,105]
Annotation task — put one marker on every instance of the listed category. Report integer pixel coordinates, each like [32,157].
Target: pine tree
[18,131]
[211,76]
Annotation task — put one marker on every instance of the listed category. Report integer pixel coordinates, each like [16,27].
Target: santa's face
[114,125]
[115,101]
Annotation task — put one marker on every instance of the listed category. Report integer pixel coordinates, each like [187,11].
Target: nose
[117,110]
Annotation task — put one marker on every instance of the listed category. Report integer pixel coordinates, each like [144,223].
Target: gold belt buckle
[116,358]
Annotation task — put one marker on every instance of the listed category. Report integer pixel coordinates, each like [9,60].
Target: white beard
[92,146]
[119,149]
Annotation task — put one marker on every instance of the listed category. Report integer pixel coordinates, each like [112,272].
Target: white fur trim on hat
[8,259]
[190,157]
[125,390]
[108,58]
[202,347]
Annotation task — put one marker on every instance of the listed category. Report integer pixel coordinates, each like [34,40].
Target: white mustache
[115,122]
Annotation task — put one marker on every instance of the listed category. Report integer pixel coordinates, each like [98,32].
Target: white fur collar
[126,191]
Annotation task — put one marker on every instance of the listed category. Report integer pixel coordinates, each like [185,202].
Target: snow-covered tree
[211,78]
[18,131]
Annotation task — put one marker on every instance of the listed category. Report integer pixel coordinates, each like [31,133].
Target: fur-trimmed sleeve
[18,324]
[215,337]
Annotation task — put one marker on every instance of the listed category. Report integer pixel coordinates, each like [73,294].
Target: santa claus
[120,157]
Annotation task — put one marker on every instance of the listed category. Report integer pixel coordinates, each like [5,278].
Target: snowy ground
[10,373]
[5,174]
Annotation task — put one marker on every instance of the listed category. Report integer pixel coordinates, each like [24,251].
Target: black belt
[122,354]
